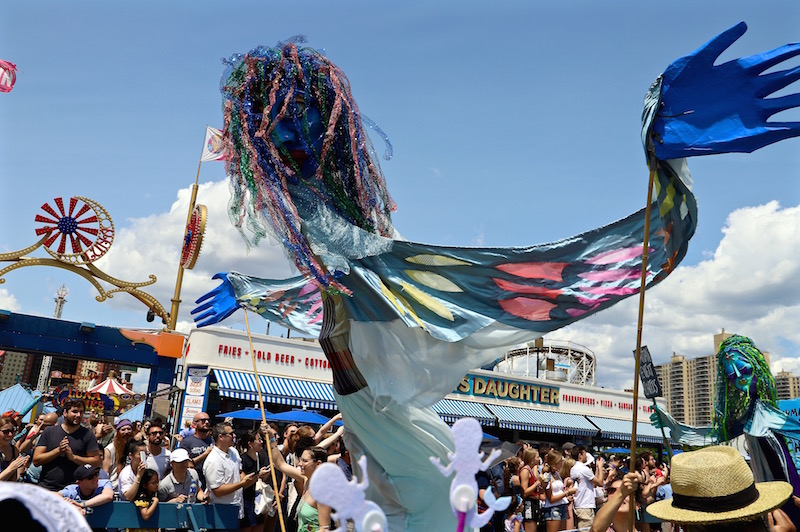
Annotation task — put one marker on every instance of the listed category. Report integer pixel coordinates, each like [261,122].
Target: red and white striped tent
[110,387]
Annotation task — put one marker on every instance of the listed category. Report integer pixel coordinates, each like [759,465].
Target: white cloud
[748,286]
[140,380]
[8,301]
[151,245]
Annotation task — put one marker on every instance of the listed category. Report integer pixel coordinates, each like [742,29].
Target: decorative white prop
[466,462]
[329,486]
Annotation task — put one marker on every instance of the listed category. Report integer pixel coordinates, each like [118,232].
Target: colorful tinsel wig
[298,143]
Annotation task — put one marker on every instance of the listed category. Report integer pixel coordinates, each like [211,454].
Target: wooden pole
[176,298]
[637,353]
[263,419]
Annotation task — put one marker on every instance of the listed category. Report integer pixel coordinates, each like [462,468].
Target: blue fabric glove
[707,109]
[217,304]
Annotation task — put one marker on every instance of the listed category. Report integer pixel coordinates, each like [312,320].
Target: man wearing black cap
[88,491]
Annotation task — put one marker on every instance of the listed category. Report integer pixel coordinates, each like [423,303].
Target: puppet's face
[738,370]
[299,148]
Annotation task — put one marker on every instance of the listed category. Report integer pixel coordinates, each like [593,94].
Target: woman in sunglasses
[12,463]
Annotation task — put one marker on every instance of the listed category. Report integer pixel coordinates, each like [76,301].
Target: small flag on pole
[8,75]
[213,148]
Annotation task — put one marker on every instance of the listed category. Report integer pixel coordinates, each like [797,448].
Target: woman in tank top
[556,502]
[531,489]
[312,516]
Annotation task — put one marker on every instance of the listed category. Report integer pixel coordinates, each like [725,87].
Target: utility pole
[44,373]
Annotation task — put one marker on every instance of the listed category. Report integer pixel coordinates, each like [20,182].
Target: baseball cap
[179,455]
[85,471]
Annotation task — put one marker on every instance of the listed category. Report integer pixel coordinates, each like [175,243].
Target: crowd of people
[91,463]
[567,488]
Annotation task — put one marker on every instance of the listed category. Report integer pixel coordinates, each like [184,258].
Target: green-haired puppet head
[743,376]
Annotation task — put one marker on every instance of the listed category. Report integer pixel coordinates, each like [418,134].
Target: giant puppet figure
[746,404]
[402,322]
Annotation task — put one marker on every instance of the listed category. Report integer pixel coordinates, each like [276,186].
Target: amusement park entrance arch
[158,351]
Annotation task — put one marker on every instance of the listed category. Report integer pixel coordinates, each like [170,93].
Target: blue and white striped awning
[278,390]
[451,410]
[620,429]
[510,417]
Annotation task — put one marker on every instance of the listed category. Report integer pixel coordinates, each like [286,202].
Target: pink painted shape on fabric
[510,286]
[575,312]
[617,255]
[307,289]
[528,308]
[590,302]
[621,274]
[610,291]
[535,270]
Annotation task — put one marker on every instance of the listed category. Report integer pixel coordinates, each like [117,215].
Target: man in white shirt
[222,469]
[585,481]
[158,457]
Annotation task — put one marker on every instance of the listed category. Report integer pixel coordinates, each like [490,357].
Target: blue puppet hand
[707,108]
[216,305]
[656,419]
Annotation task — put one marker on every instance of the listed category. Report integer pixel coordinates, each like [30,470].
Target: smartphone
[143,456]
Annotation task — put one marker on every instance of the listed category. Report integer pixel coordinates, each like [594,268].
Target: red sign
[8,75]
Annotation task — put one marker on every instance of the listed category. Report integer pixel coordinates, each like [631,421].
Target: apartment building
[787,385]
[689,385]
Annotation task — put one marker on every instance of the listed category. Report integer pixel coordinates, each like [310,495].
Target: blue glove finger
[776,105]
[709,52]
[203,307]
[207,295]
[205,315]
[775,81]
[211,317]
[758,63]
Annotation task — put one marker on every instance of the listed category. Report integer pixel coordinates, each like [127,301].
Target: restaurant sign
[523,392]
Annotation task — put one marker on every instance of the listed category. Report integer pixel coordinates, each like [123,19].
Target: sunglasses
[8,431]
[611,490]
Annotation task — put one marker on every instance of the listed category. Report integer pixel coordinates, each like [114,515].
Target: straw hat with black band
[715,485]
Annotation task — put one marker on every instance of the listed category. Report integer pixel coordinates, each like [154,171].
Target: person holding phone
[130,477]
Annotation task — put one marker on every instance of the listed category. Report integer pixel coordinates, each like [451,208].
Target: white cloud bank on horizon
[749,285]
[8,301]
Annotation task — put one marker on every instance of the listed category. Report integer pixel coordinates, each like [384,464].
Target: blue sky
[513,123]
